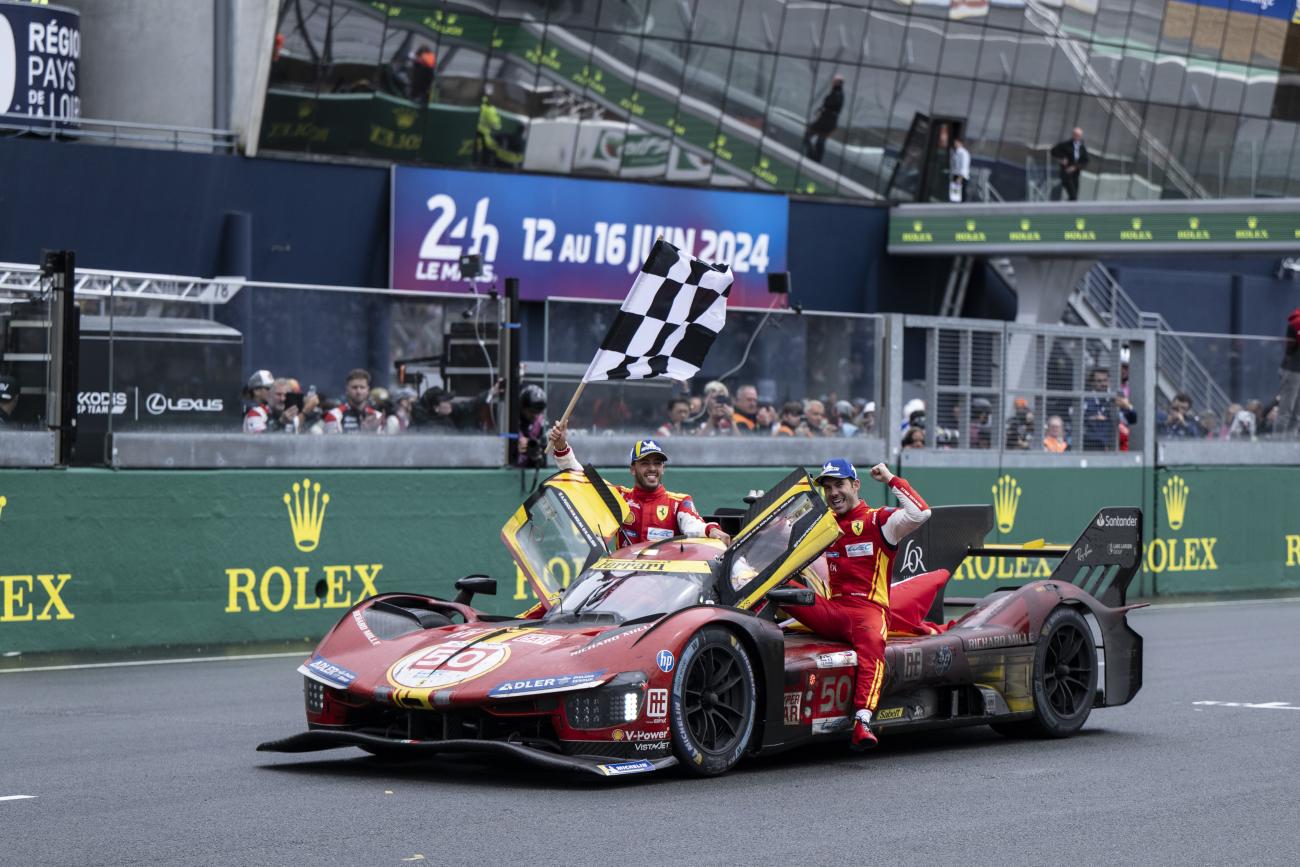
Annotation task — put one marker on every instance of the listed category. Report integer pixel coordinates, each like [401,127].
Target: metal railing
[1005,387]
[816,359]
[1100,300]
[121,132]
[989,388]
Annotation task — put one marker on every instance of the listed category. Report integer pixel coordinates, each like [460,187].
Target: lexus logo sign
[157,404]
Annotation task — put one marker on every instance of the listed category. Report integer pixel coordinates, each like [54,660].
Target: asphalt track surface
[154,765]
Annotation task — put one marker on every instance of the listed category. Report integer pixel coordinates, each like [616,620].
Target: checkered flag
[676,308]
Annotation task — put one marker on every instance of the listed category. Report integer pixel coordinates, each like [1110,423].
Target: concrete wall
[152,61]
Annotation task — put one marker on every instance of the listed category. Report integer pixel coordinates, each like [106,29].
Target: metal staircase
[1099,301]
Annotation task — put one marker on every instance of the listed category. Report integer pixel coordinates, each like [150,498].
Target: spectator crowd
[1102,420]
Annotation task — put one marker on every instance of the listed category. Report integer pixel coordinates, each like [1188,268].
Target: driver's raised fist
[881,473]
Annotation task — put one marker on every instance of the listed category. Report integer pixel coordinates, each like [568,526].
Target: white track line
[1225,603]
[15,797]
[300,654]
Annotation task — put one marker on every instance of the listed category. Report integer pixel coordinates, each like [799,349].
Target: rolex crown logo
[4,501]
[970,225]
[1006,497]
[1194,222]
[1137,223]
[1252,222]
[1175,492]
[1024,225]
[1080,223]
[405,118]
[306,508]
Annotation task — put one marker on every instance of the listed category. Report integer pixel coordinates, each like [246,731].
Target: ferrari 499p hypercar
[682,652]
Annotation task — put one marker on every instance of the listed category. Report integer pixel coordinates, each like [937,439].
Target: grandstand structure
[238,212]
[1187,110]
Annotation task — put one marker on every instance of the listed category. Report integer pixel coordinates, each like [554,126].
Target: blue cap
[838,468]
[645,448]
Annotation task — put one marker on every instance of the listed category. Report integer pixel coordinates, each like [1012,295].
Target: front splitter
[321,739]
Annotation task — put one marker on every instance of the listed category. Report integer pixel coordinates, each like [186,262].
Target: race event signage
[1203,226]
[573,237]
[40,58]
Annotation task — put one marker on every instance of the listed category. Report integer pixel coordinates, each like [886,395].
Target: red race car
[677,652]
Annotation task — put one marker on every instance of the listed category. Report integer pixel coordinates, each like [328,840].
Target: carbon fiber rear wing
[1102,561]
[1107,555]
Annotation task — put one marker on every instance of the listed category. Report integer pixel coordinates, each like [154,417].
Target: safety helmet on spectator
[531,397]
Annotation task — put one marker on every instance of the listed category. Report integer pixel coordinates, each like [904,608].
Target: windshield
[619,595]
[552,541]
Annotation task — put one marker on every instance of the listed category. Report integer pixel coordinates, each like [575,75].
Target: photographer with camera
[531,425]
[288,408]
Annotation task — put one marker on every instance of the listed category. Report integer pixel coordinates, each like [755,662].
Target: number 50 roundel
[447,664]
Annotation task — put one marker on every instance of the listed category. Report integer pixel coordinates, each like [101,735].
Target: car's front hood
[473,663]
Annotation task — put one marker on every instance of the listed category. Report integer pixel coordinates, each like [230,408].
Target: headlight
[615,703]
[314,692]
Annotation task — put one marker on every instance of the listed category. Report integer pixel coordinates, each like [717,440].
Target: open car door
[780,534]
[571,519]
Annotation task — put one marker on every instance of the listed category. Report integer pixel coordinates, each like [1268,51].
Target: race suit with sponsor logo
[658,514]
[257,419]
[346,418]
[859,564]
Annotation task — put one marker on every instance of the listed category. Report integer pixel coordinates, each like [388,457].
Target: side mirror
[471,584]
[788,596]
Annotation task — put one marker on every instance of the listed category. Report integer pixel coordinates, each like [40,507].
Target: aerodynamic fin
[1106,556]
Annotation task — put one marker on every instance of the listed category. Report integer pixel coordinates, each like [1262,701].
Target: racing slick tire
[713,705]
[1065,679]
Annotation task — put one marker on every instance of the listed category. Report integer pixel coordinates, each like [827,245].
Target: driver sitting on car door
[656,513]
[858,563]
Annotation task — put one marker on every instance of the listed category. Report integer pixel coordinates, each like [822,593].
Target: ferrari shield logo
[661,512]
[856,526]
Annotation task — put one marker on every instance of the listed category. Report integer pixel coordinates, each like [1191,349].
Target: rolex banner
[101,560]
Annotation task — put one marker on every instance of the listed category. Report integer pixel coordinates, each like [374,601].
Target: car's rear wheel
[713,702]
[1065,679]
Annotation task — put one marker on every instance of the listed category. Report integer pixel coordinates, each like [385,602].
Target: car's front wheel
[1065,678]
[713,702]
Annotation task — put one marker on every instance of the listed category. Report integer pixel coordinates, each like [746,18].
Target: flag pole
[573,401]
[568,411]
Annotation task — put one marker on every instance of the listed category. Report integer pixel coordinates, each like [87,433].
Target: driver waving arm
[657,513]
[859,563]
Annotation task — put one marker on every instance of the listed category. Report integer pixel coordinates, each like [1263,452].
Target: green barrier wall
[101,559]
[1224,529]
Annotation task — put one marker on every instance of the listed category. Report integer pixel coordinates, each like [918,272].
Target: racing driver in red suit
[859,564]
[656,512]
